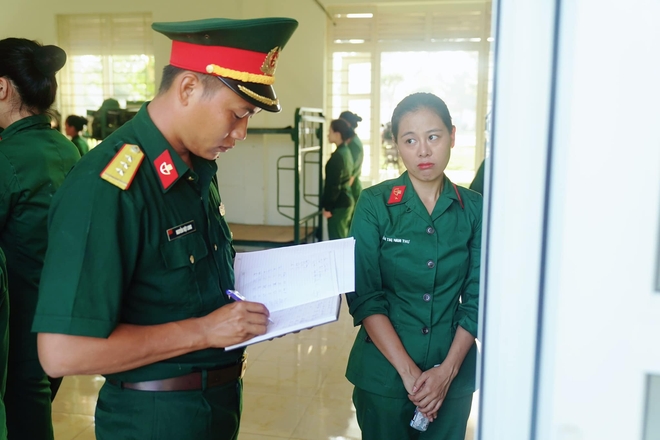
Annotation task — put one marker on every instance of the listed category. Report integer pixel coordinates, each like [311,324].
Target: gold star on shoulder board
[122,168]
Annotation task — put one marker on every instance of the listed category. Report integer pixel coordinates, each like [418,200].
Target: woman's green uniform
[337,196]
[422,272]
[81,145]
[34,159]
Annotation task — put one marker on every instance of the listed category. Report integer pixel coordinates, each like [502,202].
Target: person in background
[140,254]
[478,181]
[357,152]
[416,299]
[4,342]
[34,160]
[72,127]
[337,199]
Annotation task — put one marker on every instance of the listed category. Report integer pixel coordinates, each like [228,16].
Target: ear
[453,135]
[4,88]
[188,87]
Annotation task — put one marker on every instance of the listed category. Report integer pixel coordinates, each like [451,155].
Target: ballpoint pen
[236,296]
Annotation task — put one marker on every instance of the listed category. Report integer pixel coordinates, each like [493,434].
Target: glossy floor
[294,389]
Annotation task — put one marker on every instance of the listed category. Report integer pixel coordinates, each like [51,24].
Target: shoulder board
[122,168]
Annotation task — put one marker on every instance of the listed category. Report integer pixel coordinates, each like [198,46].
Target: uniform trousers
[209,414]
[339,223]
[387,418]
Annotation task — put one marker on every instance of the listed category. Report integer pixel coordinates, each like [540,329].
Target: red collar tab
[397,194]
[460,200]
[166,169]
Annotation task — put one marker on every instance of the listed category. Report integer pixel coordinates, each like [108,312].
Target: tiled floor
[294,389]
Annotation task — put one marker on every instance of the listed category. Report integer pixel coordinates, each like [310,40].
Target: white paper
[300,285]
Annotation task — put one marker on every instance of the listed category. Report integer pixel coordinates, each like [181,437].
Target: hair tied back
[49,59]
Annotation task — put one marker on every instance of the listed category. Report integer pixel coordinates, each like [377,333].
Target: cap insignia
[270,63]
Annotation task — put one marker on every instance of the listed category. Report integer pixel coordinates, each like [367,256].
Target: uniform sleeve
[93,247]
[358,158]
[369,296]
[9,190]
[467,314]
[332,188]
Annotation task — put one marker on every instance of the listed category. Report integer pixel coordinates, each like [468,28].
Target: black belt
[191,381]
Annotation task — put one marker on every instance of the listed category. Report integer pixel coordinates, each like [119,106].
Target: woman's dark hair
[415,102]
[341,126]
[31,69]
[351,118]
[77,122]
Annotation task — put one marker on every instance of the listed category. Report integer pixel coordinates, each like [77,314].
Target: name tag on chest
[181,230]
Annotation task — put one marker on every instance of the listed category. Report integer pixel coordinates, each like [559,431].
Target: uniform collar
[166,162]
[24,124]
[412,201]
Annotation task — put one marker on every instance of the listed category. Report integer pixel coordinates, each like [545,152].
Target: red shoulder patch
[166,170]
[397,194]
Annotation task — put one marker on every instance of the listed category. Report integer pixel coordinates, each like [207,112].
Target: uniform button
[192,259]
[427,297]
[425,331]
[191,178]
[215,246]
[430,264]
[430,230]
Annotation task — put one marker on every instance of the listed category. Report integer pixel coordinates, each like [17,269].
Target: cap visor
[262,95]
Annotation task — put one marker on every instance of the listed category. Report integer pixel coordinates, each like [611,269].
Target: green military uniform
[4,342]
[478,181]
[414,267]
[34,159]
[337,196]
[357,153]
[157,252]
[81,144]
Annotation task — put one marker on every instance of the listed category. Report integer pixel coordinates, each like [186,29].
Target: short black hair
[211,83]
[415,102]
[77,122]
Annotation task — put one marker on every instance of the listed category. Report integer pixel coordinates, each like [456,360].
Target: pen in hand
[236,296]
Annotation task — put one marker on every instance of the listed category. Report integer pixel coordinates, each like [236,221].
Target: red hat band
[229,62]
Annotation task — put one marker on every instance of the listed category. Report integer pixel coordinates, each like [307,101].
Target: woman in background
[357,152]
[337,200]
[417,260]
[34,159]
[72,127]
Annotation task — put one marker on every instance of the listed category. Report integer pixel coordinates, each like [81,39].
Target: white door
[571,311]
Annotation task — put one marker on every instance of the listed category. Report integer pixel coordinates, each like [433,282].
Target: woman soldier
[33,162]
[418,241]
[357,153]
[337,200]
[72,127]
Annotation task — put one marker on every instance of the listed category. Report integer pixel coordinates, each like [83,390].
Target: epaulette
[122,168]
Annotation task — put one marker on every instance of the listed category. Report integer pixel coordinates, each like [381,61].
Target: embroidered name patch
[395,240]
[181,230]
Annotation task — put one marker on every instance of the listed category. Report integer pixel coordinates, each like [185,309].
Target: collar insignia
[397,194]
[166,171]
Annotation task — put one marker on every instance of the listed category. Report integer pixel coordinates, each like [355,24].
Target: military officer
[337,199]
[418,240]
[140,254]
[34,159]
[73,125]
